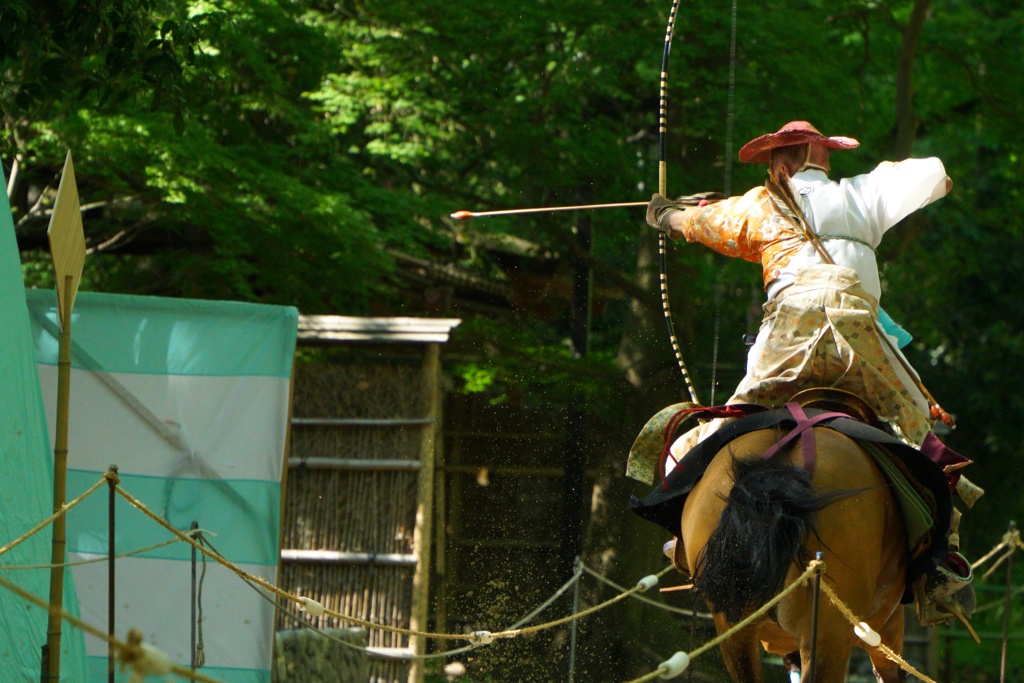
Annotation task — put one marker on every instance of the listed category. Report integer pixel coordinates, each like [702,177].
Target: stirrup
[947,592]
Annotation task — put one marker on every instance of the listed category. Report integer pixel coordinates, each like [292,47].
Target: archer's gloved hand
[659,212]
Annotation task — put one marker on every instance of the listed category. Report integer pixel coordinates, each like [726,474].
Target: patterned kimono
[820,326]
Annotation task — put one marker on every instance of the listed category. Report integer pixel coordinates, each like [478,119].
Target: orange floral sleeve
[747,227]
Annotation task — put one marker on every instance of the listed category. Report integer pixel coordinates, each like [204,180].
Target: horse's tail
[769,513]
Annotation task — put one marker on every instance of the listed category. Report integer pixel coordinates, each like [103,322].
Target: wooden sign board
[67,241]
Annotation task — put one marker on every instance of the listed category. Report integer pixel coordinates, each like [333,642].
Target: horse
[750,525]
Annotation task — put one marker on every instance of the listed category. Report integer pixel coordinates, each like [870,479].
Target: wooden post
[453,518]
[948,656]
[193,602]
[812,664]
[1006,609]
[440,539]
[932,651]
[574,626]
[575,447]
[430,400]
[111,577]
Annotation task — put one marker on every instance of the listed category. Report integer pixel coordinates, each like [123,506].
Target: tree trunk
[906,124]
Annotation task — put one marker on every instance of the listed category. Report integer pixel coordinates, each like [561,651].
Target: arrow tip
[462,215]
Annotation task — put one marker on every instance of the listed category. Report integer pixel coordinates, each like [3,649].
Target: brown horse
[748,527]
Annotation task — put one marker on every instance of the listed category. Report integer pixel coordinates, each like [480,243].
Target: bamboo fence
[353,410]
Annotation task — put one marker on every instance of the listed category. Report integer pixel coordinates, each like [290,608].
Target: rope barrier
[999,602]
[49,520]
[883,648]
[988,556]
[655,603]
[666,667]
[439,655]
[136,654]
[479,637]
[133,653]
[81,563]
[1002,558]
[516,627]
[835,600]
[304,603]
[476,639]
[640,587]
[436,655]
[1010,538]
[812,566]
[651,676]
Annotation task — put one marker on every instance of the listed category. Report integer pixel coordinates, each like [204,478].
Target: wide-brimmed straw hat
[758,150]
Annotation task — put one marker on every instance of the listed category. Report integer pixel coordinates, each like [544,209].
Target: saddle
[922,487]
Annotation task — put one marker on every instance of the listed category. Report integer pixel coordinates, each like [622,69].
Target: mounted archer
[815,239]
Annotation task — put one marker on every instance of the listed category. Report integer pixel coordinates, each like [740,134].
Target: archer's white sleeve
[894,190]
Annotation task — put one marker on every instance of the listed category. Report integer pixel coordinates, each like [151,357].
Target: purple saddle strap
[803,424]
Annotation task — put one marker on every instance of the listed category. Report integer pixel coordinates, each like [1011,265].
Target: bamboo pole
[67,249]
[51,653]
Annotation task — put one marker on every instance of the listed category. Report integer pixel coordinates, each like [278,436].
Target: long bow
[663,191]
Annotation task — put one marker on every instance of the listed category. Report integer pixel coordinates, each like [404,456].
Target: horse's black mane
[770,512]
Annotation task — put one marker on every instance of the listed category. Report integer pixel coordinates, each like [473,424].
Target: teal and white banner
[189,399]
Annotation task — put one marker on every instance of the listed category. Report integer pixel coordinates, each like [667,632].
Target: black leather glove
[659,212]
